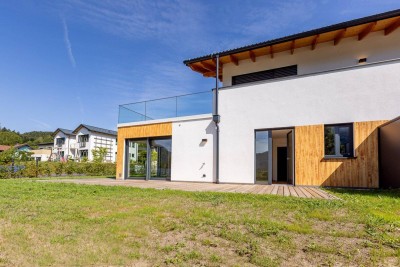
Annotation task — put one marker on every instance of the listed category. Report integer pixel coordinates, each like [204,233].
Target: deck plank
[292,191]
[275,189]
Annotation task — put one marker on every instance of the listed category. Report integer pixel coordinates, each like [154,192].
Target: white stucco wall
[192,158]
[91,144]
[69,145]
[365,93]
[326,56]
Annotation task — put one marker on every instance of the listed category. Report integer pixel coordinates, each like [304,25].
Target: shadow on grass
[393,193]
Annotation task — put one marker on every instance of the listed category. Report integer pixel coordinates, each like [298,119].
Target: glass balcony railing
[170,107]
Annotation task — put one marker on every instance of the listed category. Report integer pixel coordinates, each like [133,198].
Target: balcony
[82,144]
[170,107]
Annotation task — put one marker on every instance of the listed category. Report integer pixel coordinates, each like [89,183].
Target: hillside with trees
[11,137]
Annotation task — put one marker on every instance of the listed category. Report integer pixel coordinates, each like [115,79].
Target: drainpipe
[216,119]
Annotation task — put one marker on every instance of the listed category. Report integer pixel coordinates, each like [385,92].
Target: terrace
[169,107]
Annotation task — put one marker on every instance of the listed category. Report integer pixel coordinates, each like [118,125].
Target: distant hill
[11,137]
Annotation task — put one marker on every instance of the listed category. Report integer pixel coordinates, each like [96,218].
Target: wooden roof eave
[207,67]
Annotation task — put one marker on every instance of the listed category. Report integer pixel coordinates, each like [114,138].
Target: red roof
[3,148]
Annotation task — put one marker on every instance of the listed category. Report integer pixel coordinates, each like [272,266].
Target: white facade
[66,150]
[330,87]
[192,150]
[41,154]
[364,93]
[95,139]
[325,57]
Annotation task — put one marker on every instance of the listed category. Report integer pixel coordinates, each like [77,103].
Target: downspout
[216,119]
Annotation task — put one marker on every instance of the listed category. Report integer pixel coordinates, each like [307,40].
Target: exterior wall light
[362,60]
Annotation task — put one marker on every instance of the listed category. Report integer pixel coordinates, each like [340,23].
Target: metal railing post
[176,106]
[145,111]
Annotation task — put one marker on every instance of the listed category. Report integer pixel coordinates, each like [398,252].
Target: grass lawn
[68,224]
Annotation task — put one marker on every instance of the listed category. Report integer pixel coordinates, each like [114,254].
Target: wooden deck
[278,189]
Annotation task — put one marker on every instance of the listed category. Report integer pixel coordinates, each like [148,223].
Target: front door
[282,164]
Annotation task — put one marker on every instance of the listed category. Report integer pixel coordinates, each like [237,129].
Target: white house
[41,154]
[304,109]
[64,144]
[90,137]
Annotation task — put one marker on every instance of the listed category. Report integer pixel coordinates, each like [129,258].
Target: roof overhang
[360,28]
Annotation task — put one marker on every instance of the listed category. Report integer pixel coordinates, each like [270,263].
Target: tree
[99,154]
[10,138]
[13,155]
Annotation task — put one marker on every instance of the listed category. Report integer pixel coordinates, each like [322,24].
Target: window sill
[328,158]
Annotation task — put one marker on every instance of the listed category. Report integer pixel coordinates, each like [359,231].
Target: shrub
[58,168]
[29,169]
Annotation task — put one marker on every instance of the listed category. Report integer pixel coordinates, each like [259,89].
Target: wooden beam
[209,74]
[271,51]
[292,47]
[339,37]
[234,60]
[366,31]
[208,66]
[198,68]
[392,27]
[314,42]
[252,56]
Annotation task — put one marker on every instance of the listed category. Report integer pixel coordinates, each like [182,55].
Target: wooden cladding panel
[312,169]
[140,131]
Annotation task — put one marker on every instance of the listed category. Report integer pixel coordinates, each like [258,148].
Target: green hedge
[29,169]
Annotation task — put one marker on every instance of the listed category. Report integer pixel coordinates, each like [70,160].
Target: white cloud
[68,43]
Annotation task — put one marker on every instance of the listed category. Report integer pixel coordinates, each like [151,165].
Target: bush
[29,169]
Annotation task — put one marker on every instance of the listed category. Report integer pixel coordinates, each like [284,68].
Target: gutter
[216,119]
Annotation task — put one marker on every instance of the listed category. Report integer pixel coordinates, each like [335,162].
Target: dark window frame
[351,152]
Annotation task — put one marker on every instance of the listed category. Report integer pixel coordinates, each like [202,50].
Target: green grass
[68,224]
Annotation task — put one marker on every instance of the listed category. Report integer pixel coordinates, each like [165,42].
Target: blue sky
[68,62]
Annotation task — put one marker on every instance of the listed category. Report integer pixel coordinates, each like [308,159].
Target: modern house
[64,144]
[91,137]
[302,109]
[78,144]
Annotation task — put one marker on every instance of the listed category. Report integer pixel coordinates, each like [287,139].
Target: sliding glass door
[148,158]
[136,158]
[160,158]
[263,157]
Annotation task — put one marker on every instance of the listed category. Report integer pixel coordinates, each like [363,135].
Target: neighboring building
[23,147]
[48,145]
[41,154]
[302,109]
[4,148]
[64,144]
[90,137]
[19,147]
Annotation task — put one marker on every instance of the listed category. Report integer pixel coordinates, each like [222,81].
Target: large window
[148,158]
[339,140]
[60,141]
[265,75]
[136,158]
[262,156]
[83,138]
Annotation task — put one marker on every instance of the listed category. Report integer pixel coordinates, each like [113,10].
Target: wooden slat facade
[361,171]
[141,131]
